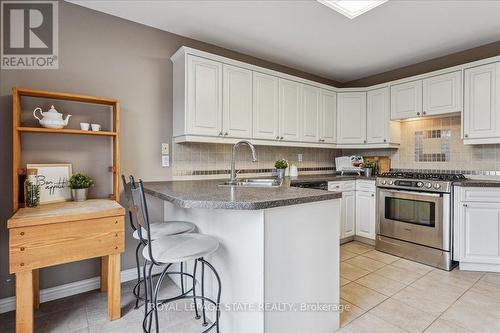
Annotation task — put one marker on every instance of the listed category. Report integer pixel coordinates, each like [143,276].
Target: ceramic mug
[96,127]
[84,126]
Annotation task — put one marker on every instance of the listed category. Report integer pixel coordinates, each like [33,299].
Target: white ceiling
[309,36]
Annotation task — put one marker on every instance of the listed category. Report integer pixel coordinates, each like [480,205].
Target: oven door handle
[435,195]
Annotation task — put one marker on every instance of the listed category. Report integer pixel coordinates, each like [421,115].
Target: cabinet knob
[465,205]
[226,133]
[373,195]
[281,138]
[385,140]
[277,138]
[418,113]
[364,141]
[220,133]
[466,135]
[424,113]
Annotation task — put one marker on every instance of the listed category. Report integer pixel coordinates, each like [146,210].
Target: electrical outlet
[165,149]
[165,161]
[299,157]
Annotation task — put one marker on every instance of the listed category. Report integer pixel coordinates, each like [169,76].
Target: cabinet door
[328,116]
[479,227]
[348,214]
[290,110]
[481,117]
[365,214]
[442,94]
[406,100]
[204,96]
[351,117]
[265,106]
[378,116]
[237,102]
[310,114]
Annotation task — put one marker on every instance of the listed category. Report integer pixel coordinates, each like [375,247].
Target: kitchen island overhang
[279,254]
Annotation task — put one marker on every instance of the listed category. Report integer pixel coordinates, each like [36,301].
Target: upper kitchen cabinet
[265,106]
[328,116]
[442,94]
[481,117]
[237,102]
[406,100]
[310,114]
[380,129]
[203,98]
[351,118]
[290,109]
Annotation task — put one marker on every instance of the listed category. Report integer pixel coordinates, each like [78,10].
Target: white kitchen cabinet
[481,116]
[348,214]
[379,127]
[442,94]
[290,109]
[328,116]
[406,100]
[351,118]
[204,96]
[479,233]
[310,114]
[237,102]
[365,214]
[265,106]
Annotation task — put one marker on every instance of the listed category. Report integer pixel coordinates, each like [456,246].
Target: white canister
[294,172]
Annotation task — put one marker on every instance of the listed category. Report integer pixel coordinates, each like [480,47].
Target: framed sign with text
[53,181]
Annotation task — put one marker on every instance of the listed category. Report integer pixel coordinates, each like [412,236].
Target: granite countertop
[477,183]
[207,194]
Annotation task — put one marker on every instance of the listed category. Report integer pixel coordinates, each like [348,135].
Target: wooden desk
[60,233]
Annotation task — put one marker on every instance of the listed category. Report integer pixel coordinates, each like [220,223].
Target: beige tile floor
[383,294]
[387,294]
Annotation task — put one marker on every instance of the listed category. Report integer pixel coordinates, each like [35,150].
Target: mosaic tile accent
[465,172]
[430,139]
[244,171]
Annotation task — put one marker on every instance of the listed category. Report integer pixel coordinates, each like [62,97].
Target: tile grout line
[454,304]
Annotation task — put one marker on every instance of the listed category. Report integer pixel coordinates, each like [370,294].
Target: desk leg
[104,274]
[113,271]
[24,302]
[36,289]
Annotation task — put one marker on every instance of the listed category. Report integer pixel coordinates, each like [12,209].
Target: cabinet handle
[418,113]
[465,205]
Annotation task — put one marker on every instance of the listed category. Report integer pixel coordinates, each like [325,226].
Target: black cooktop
[424,175]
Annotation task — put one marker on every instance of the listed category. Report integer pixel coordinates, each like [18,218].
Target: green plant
[281,164]
[78,181]
[368,165]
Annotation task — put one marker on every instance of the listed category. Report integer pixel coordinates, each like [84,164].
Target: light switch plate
[165,149]
[165,161]
[299,157]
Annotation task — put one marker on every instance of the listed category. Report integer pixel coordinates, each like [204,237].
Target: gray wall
[105,56]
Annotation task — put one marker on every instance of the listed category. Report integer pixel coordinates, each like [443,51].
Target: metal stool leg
[138,275]
[182,277]
[203,291]
[146,298]
[217,315]
[197,316]
[153,305]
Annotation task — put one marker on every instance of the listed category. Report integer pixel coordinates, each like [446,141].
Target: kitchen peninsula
[279,251]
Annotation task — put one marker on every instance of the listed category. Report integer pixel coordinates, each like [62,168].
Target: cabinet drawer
[365,185]
[480,194]
[58,243]
[349,185]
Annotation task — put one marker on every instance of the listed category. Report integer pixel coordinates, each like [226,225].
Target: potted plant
[281,166]
[369,167]
[79,184]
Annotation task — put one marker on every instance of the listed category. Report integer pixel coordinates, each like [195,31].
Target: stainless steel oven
[416,217]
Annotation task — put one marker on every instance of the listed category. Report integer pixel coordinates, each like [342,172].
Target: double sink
[254,182]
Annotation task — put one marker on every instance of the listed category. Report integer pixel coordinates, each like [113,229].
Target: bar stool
[168,250]
[158,229]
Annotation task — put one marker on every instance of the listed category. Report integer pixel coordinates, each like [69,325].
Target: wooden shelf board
[64,131]
[66,96]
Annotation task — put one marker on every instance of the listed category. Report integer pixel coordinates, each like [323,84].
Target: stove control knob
[391,182]
[420,184]
[428,185]
[383,182]
[437,186]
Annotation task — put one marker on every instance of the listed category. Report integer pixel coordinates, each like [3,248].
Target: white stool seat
[179,248]
[166,228]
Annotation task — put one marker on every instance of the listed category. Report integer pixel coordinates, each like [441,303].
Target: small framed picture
[53,181]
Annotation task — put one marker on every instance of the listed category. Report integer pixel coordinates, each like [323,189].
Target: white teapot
[51,118]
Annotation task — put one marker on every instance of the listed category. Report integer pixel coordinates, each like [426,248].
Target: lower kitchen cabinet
[348,214]
[477,229]
[365,214]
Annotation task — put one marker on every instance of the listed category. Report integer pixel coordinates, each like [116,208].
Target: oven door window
[411,211]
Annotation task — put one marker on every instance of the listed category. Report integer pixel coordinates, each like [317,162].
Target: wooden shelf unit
[17,130]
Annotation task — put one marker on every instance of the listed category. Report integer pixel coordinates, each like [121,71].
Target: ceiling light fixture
[352,8]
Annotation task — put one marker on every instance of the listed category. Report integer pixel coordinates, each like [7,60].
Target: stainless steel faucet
[233,157]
